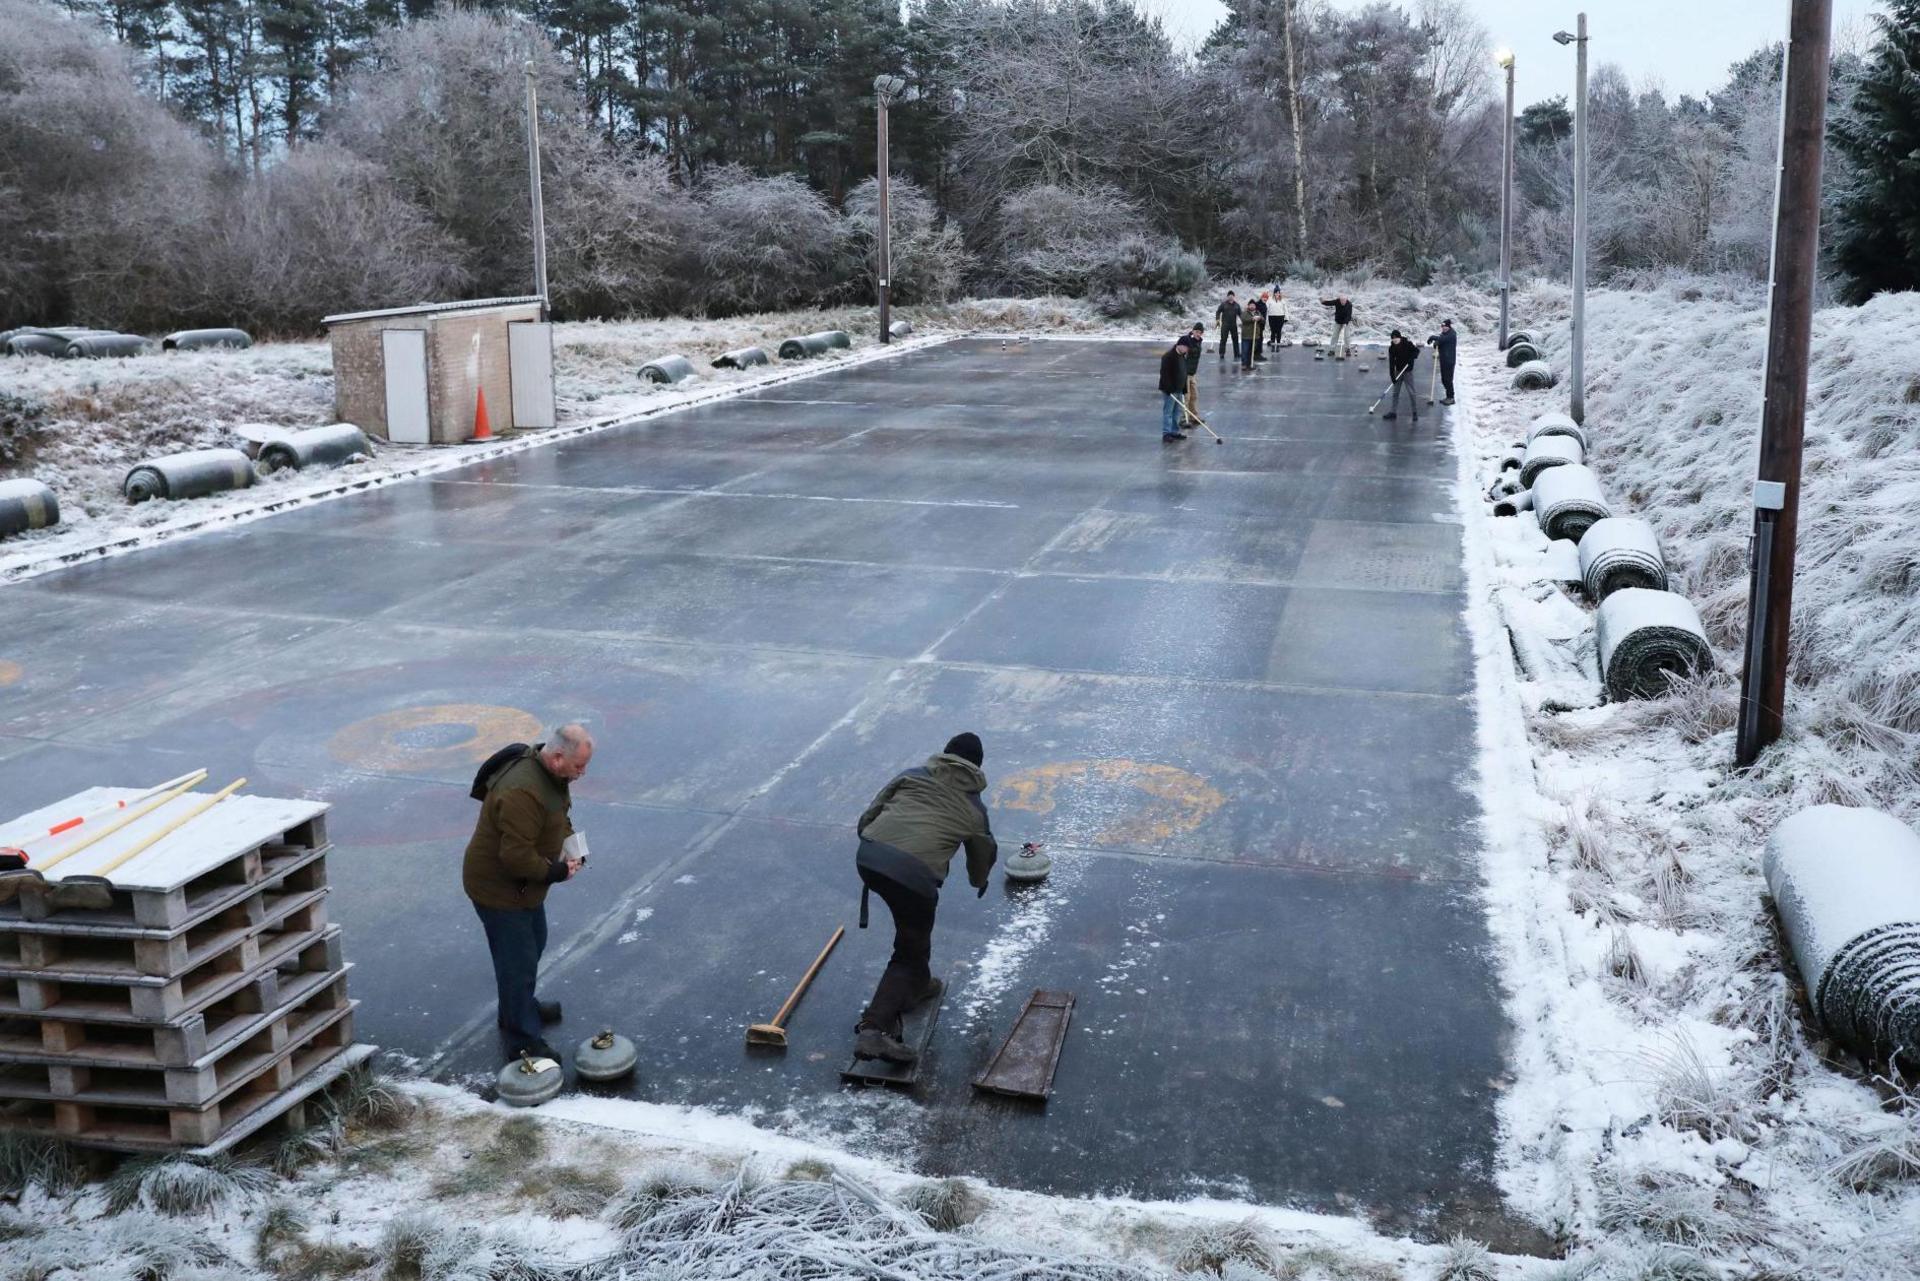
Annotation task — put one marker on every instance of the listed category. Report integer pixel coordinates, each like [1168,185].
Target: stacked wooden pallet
[207,998]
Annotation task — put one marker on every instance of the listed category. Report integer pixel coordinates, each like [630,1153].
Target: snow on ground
[1669,1089]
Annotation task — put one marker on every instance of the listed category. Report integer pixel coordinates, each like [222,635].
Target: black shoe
[1389,416]
[1447,401]
[933,991]
[872,1043]
[1178,435]
[549,1011]
[538,1050]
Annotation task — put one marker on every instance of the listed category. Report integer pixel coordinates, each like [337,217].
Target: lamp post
[885,90]
[1783,411]
[533,184]
[1504,60]
[1577,374]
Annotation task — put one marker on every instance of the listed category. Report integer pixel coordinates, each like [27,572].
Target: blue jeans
[1169,414]
[516,937]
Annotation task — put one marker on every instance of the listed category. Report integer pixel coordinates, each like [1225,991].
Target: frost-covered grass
[1675,1111]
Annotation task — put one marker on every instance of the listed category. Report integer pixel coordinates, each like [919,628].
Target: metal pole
[885,265]
[1776,496]
[533,183]
[1577,374]
[1506,213]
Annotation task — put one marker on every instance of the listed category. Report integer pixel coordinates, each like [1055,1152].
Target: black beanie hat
[966,747]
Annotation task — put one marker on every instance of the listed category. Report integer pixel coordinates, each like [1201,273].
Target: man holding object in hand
[523,843]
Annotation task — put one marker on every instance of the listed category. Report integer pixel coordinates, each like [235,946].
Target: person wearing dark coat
[1443,344]
[1401,353]
[1257,326]
[1227,316]
[908,837]
[1174,382]
[1342,343]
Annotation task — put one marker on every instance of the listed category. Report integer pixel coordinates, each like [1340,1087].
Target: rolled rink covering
[1557,424]
[740,358]
[314,447]
[1531,337]
[1519,353]
[1567,501]
[194,474]
[900,329]
[667,369]
[45,342]
[1514,459]
[1621,552]
[1644,638]
[26,504]
[1535,375]
[1846,882]
[1550,451]
[807,346]
[1514,504]
[98,346]
[201,339]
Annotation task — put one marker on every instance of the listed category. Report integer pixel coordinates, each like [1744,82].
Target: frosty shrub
[30,1161]
[1212,1246]
[947,1204]
[324,231]
[182,1186]
[1056,239]
[764,244]
[1465,1261]
[1137,273]
[23,419]
[656,1187]
[930,259]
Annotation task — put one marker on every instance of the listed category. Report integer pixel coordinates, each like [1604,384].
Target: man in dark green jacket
[908,836]
[517,851]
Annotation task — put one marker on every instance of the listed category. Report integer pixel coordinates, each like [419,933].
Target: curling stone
[528,1082]
[606,1057]
[1032,863]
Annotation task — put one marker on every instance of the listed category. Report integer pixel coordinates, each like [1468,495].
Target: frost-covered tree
[766,243]
[1877,237]
[930,258]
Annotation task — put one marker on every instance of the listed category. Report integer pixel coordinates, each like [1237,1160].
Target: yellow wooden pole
[193,780]
[176,825]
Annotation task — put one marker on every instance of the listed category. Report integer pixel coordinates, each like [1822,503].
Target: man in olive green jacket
[515,854]
[908,836]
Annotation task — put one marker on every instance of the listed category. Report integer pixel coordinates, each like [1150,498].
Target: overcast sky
[1684,46]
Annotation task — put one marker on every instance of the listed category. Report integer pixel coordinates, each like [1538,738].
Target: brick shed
[414,375]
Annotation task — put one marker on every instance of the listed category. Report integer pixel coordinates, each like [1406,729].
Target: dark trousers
[1276,323]
[516,936]
[1230,334]
[909,970]
[1243,348]
[1446,377]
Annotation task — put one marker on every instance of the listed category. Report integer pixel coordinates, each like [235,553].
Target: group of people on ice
[1249,328]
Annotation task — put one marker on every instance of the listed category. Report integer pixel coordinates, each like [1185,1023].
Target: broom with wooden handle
[775,1033]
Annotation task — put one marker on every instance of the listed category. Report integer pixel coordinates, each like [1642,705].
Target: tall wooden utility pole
[1776,491]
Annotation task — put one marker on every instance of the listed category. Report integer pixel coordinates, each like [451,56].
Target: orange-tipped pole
[482,429]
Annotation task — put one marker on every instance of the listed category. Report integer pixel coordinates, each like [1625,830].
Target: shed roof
[426,308]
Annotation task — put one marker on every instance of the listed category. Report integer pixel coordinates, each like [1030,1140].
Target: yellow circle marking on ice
[1169,800]
[10,672]
[404,739]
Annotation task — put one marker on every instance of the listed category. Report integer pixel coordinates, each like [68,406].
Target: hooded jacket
[926,814]
[1227,314]
[1173,371]
[515,851]
[1342,310]
[1443,344]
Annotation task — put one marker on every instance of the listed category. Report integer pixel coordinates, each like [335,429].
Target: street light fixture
[886,90]
[1577,375]
[1504,60]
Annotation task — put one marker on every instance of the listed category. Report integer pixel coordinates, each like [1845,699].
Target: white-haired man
[516,853]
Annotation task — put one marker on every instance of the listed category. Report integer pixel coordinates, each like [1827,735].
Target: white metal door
[404,352]
[530,366]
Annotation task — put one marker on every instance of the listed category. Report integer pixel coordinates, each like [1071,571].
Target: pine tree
[1877,241]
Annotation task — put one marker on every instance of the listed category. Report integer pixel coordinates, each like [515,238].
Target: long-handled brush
[775,1032]
[1218,439]
[1383,395]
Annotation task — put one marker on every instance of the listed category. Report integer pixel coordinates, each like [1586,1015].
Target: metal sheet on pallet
[1025,1064]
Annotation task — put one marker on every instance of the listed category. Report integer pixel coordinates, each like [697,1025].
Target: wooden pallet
[175,907]
[152,999]
[298,952]
[196,1086]
[83,958]
[203,1131]
[84,1043]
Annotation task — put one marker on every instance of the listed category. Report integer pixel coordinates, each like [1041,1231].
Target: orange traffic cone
[482,429]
